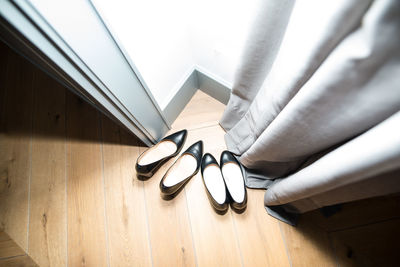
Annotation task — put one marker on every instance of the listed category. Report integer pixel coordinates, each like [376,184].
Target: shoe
[184,168]
[233,177]
[154,157]
[214,184]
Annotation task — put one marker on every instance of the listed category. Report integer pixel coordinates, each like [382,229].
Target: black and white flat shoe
[154,157]
[184,168]
[233,177]
[214,184]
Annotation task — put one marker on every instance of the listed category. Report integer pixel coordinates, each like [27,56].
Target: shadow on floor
[361,233]
[34,104]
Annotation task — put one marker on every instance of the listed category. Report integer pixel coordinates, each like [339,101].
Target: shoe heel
[144,177]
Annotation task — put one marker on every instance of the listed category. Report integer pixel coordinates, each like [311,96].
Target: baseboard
[198,79]
[213,86]
[183,95]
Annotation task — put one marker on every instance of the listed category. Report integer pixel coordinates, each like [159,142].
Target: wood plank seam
[22,260]
[203,126]
[284,242]
[67,160]
[147,223]
[30,168]
[191,230]
[332,246]
[362,225]
[12,257]
[237,237]
[104,188]
[66,178]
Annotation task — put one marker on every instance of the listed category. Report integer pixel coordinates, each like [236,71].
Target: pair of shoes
[154,157]
[224,183]
[179,174]
[183,169]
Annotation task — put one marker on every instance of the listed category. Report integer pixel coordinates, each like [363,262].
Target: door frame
[24,29]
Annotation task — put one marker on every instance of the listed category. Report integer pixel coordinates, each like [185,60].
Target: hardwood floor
[47,216]
[364,232]
[86,231]
[15,145]
[69,194]
[127,226]
[12,255]
[8,248]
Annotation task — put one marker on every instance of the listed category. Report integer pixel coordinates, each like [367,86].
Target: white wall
[219,29]
[167,39]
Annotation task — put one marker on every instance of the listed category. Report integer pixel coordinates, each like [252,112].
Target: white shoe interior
[234,181]
[157,152]
[182,168]
[215,183]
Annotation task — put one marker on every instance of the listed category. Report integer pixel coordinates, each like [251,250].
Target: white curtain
[314,107]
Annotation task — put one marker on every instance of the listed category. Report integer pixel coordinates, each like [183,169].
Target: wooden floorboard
[308,245]
[86,206]
[15,146]
[8,248]
[169,225]
[358,213]
[125,204]
[375,244]
[85,187]
[12,255]
[201,111]
[213,235]
[20,261]
[48,226]
[259,234]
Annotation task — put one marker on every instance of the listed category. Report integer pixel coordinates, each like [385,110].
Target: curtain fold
[372,153]
[330,74]
[258,57]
